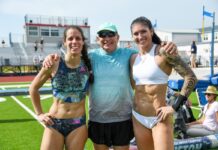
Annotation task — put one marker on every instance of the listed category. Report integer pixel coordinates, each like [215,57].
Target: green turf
[20,131]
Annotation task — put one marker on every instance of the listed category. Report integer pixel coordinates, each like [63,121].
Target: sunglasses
[208,94]
[106,34]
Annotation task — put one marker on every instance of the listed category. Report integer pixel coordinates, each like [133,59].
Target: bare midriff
[63,110]
[148,98]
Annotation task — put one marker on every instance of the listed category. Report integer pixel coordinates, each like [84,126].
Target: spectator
[208,123]
[193,54]
[36,62]
[42,44]
[41,59]
[3,43]
[36,46]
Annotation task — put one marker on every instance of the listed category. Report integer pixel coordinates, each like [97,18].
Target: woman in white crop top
[150,68]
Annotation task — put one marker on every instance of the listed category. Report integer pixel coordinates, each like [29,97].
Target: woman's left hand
[164,112]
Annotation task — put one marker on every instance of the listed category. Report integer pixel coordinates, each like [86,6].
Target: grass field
[19,130]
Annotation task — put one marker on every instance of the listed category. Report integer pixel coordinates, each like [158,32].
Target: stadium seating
[20,54]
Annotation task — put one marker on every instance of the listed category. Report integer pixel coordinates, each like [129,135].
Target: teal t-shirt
[111,94]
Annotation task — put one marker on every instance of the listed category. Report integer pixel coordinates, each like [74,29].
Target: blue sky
[170,14]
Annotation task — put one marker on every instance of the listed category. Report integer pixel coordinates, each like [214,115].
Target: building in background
[184,38]
[51,28]
[19,49]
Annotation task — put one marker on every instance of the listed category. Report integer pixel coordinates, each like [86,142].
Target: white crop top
[146,71]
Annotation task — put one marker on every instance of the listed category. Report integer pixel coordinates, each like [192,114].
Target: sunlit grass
[20,131]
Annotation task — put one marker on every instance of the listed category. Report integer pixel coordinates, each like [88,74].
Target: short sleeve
[216,107]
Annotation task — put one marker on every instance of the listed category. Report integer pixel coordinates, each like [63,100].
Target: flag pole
[202,32]
[212,47]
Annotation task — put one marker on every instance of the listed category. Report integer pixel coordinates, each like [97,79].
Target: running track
[16,79]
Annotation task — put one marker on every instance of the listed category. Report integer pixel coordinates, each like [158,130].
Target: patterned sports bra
[70,85]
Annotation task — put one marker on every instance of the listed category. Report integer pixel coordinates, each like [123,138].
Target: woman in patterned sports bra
[150,68]
[65,123]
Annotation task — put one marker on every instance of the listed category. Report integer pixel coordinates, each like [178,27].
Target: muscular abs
[148,98]
[60,109]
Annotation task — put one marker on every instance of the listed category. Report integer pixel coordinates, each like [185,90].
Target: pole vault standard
[211,15]
[212,46]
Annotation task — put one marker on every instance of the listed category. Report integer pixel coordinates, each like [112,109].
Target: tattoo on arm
[185,71]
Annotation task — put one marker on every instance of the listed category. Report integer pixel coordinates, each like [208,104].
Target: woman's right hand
[50,60]
[46,119]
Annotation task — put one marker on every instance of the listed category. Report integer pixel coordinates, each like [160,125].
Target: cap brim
[105,29]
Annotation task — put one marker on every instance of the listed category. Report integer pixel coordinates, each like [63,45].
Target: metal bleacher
[20,54]
[8,56]
[7,52]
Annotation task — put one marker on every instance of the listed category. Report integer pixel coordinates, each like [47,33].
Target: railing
[16,38]
[55,20]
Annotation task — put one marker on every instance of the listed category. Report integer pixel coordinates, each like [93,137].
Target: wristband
[179,102]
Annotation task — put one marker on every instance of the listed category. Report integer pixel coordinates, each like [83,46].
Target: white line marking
[2,99]
[27,109]
[42,97]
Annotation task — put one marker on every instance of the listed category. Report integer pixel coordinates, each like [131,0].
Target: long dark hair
[84,51]
[146,22]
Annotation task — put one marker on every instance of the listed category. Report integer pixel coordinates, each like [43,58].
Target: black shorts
[116,133]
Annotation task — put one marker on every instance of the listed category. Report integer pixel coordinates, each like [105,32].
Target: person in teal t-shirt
[111,94]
